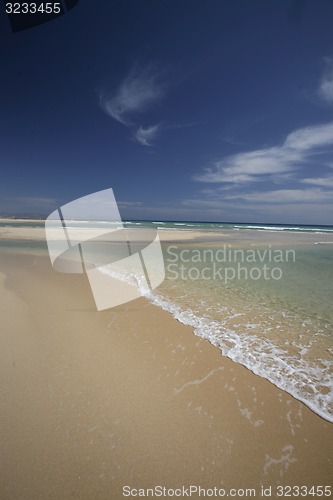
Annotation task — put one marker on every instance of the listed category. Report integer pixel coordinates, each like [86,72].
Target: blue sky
[189,110]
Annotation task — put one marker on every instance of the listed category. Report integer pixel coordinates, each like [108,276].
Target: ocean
[261,293]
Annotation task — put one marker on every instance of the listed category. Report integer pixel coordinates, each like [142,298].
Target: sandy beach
[166,250]
[92,401]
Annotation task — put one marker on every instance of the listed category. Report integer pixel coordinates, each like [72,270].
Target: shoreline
[140,395]
[198,235]
[325,416]
[182,238]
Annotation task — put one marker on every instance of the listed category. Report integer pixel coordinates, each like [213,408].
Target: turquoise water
[21,223]
[218,226]
[190,225]
[262,294]
[280,326]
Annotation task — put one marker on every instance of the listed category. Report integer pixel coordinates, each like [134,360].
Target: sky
[188,109]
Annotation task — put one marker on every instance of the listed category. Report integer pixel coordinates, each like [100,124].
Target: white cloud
[137,93]
[308,138]
[311,195]
[301,197]
[263,164]
[319,181]
[276,196]
[280,206]
[145,136]
[325,90]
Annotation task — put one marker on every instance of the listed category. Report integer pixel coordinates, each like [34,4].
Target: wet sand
[93,401]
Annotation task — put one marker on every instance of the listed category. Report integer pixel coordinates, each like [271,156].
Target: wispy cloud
[285,196]
[325,181]
[263,164]
[325,89]
[262,210]
[143,89]
[244,186]
[145,136]
[137,93]
[272,197]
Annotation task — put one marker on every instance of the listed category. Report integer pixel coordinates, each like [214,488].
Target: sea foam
[298,377]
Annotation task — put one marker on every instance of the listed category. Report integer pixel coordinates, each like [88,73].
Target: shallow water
[276,318]
[262,294]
